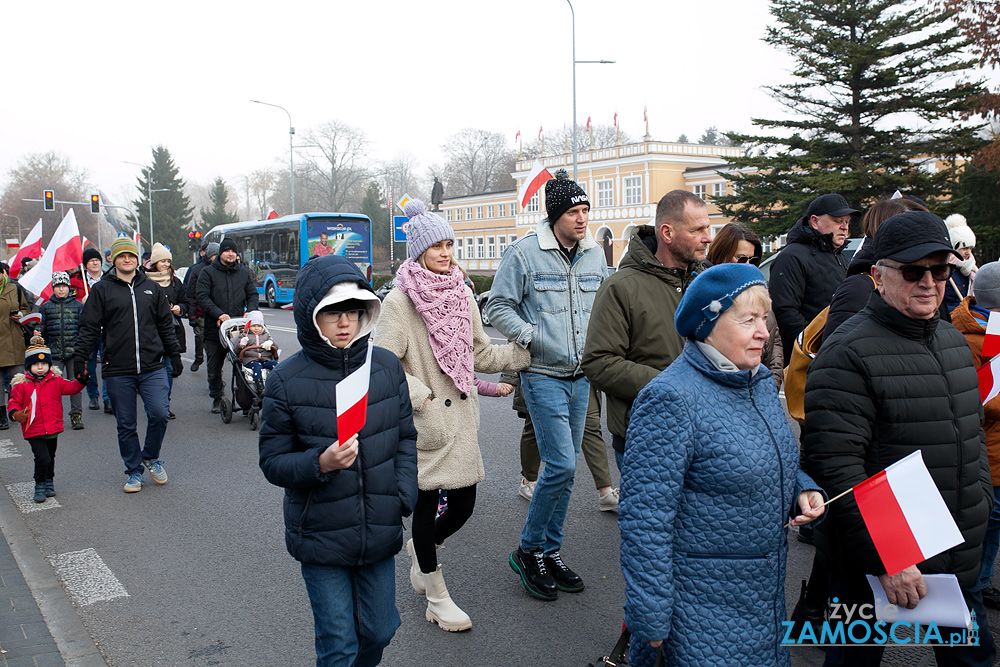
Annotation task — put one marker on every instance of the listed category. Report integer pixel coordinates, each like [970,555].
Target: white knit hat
[961,234]
[159,253]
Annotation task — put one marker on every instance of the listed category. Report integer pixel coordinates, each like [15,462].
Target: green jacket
[631,336]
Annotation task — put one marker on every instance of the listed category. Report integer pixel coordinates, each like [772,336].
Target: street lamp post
[575,61]
[19,239]
[291,149]
[149,195]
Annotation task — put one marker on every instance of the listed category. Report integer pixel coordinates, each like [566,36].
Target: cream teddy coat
[448,455]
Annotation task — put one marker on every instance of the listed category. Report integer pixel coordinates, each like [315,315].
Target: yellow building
[623,182]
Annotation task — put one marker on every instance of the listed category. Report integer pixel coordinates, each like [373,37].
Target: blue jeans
[619,460]
[169,368]
[558,409]
[123,390]
[354,610]
[92,370]
[991,543]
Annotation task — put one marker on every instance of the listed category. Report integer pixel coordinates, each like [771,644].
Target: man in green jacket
[631,337]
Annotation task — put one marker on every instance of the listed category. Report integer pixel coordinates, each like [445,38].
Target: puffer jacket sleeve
[89,329]
[489,358]
[660,449]
[203,296]
[787,288]
[250,292]
[281,460]
[406,454]
[840,418]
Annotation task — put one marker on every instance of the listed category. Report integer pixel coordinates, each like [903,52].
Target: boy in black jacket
[345,497]
[60,320]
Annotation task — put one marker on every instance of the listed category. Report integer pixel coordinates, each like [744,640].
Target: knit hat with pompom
[961,234]
[37,351]
[424,228]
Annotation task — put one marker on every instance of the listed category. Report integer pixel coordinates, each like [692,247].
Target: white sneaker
[526,489]
[609,501]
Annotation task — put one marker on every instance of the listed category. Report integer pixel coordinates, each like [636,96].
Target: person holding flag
[894,381]
[346,493]
[13,305]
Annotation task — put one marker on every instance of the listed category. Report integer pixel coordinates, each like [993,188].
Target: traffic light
[49,200]
[194,241]
[95,203]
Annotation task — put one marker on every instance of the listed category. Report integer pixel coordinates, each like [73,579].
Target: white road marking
[22,493]
[86,577]
[285,329]
[8,449]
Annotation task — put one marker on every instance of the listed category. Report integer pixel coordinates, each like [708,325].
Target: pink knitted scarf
[443,303]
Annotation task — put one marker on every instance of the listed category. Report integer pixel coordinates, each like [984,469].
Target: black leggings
[429,532]
[44,450]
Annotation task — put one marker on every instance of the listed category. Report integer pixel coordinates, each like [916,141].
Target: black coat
[191,285]
[882,387]
[804,277]
[60,322]
[853,293]
[176,297]
[116,311]
[229,290]
[353,516]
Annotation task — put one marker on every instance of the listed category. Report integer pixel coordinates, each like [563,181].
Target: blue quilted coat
[710,476]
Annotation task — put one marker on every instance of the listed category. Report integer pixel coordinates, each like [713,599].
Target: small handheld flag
[352,400]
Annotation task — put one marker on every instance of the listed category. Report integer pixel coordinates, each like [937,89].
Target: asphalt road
[196,572]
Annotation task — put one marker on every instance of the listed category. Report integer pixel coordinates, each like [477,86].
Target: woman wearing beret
[711,476]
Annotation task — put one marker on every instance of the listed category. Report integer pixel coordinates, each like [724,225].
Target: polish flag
[32,247]
[588,123]
[645,117]
[905,514]
[271,213]
[535,180]
[991,346]
[988,374]
[517,136]
[616,119]
[352,400]
[539,132]
[65,253]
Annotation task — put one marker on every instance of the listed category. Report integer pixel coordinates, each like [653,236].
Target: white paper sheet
[944,603]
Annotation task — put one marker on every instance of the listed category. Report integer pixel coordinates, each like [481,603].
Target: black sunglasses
[914,273]
[746,259]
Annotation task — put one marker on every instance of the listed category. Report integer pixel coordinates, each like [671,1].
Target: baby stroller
[247,394]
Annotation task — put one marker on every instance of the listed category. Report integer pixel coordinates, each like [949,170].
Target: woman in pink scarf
[432,324]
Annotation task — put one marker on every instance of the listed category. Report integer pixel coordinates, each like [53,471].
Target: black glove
[83,377]
[178,365]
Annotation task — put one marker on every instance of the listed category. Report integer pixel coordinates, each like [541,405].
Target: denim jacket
[542,302]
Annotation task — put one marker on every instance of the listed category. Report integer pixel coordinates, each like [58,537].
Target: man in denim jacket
[541,299]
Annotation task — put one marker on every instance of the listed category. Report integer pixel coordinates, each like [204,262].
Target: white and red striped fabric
[905,514]
[271,213]
[535,180]
[65,253]
[32,247]
[991,345]
[352,400]
[988,375]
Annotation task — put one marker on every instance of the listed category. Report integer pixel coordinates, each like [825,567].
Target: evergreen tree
[217,215]
[710,137]
[172,210]
[373,205]
[978,199]
[683,139]
[877,96]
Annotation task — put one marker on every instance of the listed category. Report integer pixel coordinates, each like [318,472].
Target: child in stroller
[255,348]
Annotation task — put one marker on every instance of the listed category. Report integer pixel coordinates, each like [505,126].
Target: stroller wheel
[254,420]
[227,411]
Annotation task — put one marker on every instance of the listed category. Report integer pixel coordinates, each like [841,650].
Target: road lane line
[8,450]
[86,577]
[22,493]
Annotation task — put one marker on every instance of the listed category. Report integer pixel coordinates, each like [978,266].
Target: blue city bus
[275,250]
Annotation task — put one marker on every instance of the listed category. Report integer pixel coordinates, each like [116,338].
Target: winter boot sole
[528,587]
[431,618]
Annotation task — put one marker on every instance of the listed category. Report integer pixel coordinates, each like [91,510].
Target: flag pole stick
[83,274]
[826,503]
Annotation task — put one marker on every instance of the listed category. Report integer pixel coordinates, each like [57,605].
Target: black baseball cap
[832,204]
[911,236]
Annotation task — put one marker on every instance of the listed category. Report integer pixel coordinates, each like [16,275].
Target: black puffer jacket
[176,297]
[134,323]
[228,290]
[191,285]
[60,321]
[804,277]
[854,291]
[880,389]
[353,516]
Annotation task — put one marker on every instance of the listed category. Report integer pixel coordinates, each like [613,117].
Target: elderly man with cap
[541,299]
[196,316]
[131,316]
[808,270]
[892,381]
[224,290]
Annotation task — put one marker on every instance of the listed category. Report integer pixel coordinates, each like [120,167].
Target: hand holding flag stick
[792,522]
[339,456]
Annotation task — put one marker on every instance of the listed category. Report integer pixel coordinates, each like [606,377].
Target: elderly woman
[710,478]
[432,324]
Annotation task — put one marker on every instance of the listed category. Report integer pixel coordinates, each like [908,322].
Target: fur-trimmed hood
[22,377]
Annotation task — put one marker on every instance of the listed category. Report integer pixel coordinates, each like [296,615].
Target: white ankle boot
[440,608]
[416,579]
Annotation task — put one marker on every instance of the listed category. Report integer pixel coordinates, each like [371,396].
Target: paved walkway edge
[74,642]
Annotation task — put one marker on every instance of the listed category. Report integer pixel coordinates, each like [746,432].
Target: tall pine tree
[172,210]
[878,95]
[217,215]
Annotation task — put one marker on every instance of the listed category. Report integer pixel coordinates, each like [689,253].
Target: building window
[479,247]
[501,245]
[532,206]
[479,213]
[605,194]
[502,210]
[458,249]
[489,211]
[458,215]
[447,214]
[512,238]
[718,190]
[468,213]
[491,249]
[633,190]
[699,190]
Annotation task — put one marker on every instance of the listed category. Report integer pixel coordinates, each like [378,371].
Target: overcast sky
[130,75]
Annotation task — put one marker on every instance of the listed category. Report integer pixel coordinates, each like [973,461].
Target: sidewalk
[24,637]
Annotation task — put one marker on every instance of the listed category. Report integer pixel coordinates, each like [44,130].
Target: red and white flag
[645,117]
[539,132]
[352,400]
[271,213]
[588,123]
[905,514]
[991,345]
[517,136]
[32,247]
[616,119]
[989,373]
[65,253]
[535,180]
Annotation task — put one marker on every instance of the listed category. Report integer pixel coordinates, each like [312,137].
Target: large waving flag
[905,514]
[352,400]
[991,344]
[988,375]
[271,213]
[32,247]
[535,180]
[65,253]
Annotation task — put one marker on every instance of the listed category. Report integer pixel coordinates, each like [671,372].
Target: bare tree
[399,175]
[259,185]
[33,174]
[559,142]
[478,161]
[337,178]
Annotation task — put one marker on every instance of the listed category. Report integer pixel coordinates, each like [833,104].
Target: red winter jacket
[48,404]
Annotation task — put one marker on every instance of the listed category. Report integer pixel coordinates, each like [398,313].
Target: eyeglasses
[914,273]
[746,259]
[335,315]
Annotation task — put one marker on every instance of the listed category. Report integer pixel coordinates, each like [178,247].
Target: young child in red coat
[36,403]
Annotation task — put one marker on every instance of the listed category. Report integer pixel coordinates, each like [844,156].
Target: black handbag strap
[619,654]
